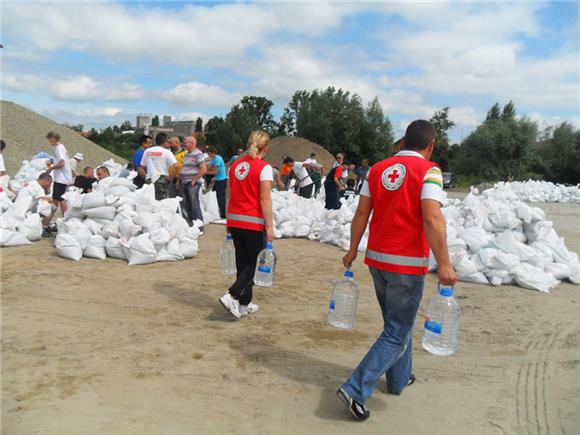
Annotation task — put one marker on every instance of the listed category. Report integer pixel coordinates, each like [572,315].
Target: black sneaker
[47,235]
[358,411]
[411,381]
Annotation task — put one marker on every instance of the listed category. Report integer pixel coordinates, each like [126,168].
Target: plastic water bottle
[264,276]
[228,254]
[442,323]
[344,302]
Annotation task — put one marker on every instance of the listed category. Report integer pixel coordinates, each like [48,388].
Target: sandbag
[93,200]
[10,238]
[171,252]
[114,249]
[188,248]
[104,212]
[128,229]
[67,246]
[44,208]
[31,227]
[96,247]
[531,277]
[142,250]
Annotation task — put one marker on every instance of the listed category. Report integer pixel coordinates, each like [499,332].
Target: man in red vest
[404,194]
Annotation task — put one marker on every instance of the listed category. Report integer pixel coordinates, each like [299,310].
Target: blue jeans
[399,297]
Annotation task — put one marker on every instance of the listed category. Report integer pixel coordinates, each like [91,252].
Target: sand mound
[24,132]
[299,149]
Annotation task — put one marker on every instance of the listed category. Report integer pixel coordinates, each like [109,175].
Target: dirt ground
[100,347]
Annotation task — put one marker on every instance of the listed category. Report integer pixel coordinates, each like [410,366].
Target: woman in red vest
[249,220]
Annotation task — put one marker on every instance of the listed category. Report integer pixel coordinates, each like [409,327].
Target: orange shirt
[286,169]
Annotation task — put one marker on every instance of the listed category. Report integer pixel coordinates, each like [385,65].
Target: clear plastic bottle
[442,323]
[344,302]
[264,275]
[228,255]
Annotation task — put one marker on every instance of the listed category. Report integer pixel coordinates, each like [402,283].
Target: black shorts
[58,189]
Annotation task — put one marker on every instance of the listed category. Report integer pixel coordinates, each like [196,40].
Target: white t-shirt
[313,162]
[302,174]
[2,167]
[62,175]
[157,160]
[31,189]
[432,183]
[267,174]
[74,163]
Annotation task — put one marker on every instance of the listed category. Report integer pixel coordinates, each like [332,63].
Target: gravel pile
[24,132]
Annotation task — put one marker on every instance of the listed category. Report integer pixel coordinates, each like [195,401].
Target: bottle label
[264,269]
[332,304]
[433,326]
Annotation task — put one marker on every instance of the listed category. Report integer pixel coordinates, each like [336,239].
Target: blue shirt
[137,157]
[218,162]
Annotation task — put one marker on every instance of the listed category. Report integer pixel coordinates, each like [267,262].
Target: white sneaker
[251,308]
[230,304]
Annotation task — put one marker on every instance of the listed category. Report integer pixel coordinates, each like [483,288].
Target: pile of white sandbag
[538,191]
[18,226]
[495,240]
[118,221]
[30,170]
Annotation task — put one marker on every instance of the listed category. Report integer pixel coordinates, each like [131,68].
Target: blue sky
[100,63]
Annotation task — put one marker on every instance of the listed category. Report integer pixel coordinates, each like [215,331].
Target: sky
[99,63]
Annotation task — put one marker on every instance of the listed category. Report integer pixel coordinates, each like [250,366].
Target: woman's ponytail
[257,141]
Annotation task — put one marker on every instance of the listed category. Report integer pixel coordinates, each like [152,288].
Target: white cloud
[28,83]
[126,92]
[200,94]
[188,116]
[77,88]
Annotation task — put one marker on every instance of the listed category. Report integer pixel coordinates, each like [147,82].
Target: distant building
[144,122]
[182,128]
[167,120]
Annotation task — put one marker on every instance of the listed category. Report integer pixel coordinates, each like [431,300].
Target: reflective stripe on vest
[398,260]
[244,218]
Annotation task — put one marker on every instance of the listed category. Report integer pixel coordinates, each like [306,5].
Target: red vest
[397,241]
[244,208]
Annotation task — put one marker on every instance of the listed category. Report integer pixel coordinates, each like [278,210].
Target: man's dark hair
[419,135]
[288,160]
[130,166]
[350,183]
[86,169]
[104,169]
[312,155]
[144,138]
[2,145]
[44,176]
[160,139]
[212,150]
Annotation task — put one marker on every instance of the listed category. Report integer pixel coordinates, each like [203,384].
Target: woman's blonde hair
[257,141]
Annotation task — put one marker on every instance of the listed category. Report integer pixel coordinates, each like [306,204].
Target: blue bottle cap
[349,274]
[229,237]
[269,245]
[446,291]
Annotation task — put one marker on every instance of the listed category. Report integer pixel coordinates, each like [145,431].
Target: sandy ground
[101,347]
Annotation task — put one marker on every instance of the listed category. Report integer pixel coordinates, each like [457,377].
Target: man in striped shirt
[192,171]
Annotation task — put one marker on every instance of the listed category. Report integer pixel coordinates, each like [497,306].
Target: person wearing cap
[75,162]
[361,173]
[404,194]
[235,157]
[315,171]
[249,220]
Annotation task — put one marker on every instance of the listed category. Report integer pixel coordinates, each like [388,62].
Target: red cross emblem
[393,176]
[242,170]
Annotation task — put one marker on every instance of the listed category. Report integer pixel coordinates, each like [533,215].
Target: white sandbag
[475,238]
[104,212]
[95,227]
[9,222]
[73,213]
[96,247]
[504,261]
[128,229]
[160,237]
[10,238]
[466,271]
[524,212]
[31,227]
[537,214]
[111,230]
[507,243]
[188,248]
[531,277]
[574,277]
[117,191]
[537,230]
[19,207]
[142,250]
[114,249]
[560,271]
[44,208]
[67,246]
[171,252]
[93,200]
[82,234]
[146,220]
[505,219]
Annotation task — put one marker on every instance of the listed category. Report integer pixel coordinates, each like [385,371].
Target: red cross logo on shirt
[393,176]
[242,170]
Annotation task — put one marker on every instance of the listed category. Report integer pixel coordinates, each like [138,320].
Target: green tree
[493,114]
[198,125]
[442,124]
[499,149]
[558,154]
[261,108]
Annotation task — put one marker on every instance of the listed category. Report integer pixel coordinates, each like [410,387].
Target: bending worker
[249,219]
[404,194]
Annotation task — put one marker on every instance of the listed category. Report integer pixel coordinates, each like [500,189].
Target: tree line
[505,146]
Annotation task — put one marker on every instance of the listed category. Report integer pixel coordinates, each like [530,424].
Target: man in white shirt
[305,183]
[160,165]
[60,168]
[38,190]
[75,162]
[2,167]
[315,173]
